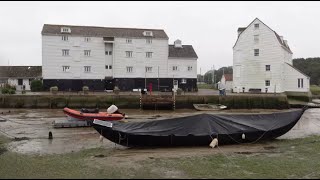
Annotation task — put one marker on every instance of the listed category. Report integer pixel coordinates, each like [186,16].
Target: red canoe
[77,115]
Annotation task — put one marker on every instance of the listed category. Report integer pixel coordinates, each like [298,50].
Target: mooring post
[140,100]
[50,135]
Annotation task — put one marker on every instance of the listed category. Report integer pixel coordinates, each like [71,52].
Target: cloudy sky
[211,27]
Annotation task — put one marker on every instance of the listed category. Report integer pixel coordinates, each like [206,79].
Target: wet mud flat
[30,128]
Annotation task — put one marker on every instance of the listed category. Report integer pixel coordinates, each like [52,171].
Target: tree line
[308,66]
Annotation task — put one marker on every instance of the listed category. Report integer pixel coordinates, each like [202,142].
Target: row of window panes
[109,53]
[65,52]
[66,38]
[300,82]
[148,41]
[67,68]
[129,54]
[149,69]
[108,67]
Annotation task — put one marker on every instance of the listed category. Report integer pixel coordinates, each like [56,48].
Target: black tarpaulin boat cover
[209,124]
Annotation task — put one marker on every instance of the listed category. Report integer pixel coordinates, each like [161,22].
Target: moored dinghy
[198,130]
[112,114]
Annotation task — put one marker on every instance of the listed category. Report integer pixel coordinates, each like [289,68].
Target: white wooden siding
[291,80]
[182,65]
[139,47]
[52,59]
[253,73]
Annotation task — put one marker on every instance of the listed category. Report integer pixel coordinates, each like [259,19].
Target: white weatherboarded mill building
[104,57]
[262,61]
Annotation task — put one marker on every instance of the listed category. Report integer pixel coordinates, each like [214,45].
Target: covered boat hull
[234,134]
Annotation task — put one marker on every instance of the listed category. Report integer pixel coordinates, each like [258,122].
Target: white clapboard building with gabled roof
[262,61]
[104,57]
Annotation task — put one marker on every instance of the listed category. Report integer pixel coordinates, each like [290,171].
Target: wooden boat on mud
[200,130]
[209,107]
[90,115]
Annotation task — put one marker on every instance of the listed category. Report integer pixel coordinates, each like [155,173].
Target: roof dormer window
[147,33]
[65,30]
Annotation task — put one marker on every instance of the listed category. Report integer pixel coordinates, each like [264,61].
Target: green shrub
[116,90]
[54,89]
[315,90]
[36,85]
[8,89]
[5,91]
[85,89]
[179,91]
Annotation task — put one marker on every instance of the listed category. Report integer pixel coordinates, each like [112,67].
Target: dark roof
[228,77]
[298,70]
[186,51]
[50,29]
[241,29]
[276,34]
[20,71]
[282,43]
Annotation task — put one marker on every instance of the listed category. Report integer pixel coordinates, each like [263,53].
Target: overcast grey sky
[211,27]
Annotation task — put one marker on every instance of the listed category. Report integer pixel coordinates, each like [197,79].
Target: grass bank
[297,158]
[315,90]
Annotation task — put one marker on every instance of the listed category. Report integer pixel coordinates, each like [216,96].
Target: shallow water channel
[33,125]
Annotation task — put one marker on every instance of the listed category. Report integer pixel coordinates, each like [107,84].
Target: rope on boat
[224,153]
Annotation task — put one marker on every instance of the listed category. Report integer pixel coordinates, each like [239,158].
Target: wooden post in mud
[140,100]
[50,135]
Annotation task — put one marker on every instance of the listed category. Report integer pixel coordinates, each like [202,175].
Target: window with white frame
[64,38]
[108,67]
[129,69]
[267,82]
[65,30]
[65,68]
[87,52]
[268,67]
[174,68]
[147,33]
[148,69]
[128,54]
[129,41]
[110,53]
[256,52]
[87,69]
[107,52]
[148,54]
[87,39]
[256,38]
[189,68]
[149,40]
[65,52]
[256,26]
[300,82]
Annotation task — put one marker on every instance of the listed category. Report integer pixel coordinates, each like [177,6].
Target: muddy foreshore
[31,127]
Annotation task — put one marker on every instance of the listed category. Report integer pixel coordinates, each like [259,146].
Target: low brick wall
[133,101]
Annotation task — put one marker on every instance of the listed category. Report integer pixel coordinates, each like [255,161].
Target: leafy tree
[36,85]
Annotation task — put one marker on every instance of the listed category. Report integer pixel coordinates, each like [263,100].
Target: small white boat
[209,107]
